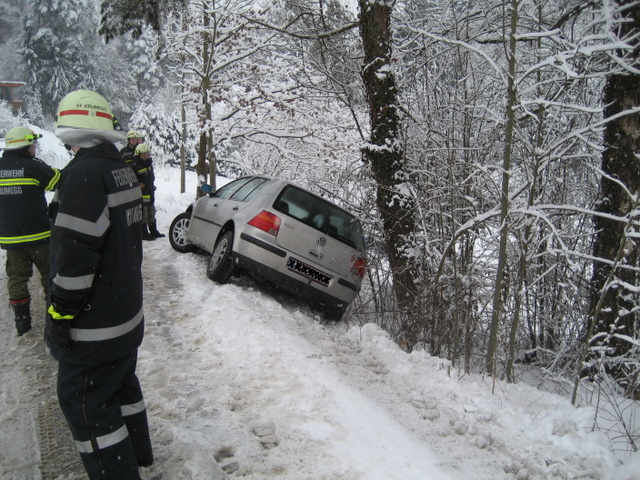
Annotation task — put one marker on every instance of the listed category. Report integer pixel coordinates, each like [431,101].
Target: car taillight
[267,222]
[359,266]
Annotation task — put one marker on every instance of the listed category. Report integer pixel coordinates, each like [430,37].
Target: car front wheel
[178,233]
[220,266]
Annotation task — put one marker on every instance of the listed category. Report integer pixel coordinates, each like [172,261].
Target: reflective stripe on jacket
[127,153]
[146,176]
[96,256]
[23,206]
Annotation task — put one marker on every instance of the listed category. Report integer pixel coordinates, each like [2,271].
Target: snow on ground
[240,379]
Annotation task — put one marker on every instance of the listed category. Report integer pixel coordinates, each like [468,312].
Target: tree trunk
[504,208]
[612,303]
[202,168]
[183,153]
[385,156]
[183,120]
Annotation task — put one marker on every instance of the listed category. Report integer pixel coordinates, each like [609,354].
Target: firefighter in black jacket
[24,223]
[142,165]
[133,140]
[96,317]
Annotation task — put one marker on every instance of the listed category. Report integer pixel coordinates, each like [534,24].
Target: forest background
[488,146]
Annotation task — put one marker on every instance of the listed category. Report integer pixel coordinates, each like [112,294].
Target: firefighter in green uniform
[25,228]
[142,166]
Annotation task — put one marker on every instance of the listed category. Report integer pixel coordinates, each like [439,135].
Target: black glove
[57,327]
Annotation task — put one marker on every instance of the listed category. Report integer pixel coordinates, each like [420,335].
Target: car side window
[230,188]
[249,190]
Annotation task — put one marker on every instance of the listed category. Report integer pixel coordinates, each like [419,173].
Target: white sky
[234,369]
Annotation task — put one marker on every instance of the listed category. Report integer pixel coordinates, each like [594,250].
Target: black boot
[146,235]
[22,311]
[154,230]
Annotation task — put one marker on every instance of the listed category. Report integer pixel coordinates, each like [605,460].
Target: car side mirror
[206,188]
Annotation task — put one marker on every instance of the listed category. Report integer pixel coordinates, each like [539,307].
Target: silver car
[280,233]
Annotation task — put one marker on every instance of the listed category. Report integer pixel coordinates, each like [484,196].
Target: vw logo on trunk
[321,241]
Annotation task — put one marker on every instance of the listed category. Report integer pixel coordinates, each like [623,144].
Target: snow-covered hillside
[244,384]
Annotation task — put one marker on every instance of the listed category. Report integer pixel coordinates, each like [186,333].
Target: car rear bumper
[273,261]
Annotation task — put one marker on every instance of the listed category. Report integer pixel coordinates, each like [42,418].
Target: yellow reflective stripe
[54,181]
[19,181]
[25,238]
[56,316]
[143,170]
[27,137]
[11,182]
[104,441]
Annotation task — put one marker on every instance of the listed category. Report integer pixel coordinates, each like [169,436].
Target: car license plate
[308,271]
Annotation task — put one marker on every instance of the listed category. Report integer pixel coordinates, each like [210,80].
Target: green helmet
[86,109]
[133,134]
[20,137]
[142,148]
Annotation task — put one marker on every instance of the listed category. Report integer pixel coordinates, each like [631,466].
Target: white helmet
[20,137]
[142,148]
[84,119]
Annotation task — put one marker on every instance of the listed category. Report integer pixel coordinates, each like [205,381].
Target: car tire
[220,266]
[178,234]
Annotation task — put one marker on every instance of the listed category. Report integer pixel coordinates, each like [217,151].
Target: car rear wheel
[220,266]
[178,233]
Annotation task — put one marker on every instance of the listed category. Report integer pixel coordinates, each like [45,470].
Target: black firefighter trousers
[105,411]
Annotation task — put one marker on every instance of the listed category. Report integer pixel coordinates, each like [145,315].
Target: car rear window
[321,215]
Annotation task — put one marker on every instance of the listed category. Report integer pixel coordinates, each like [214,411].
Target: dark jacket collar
[103,150]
